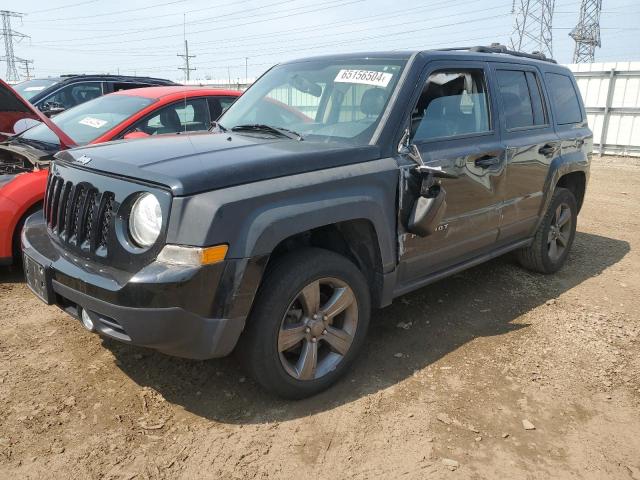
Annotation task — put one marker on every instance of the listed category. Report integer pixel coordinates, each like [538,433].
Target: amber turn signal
[192,256]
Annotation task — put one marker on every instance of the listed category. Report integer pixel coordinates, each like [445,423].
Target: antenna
[9,34]
[532,27]
[587,33]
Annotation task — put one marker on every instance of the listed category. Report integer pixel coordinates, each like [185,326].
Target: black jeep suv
[333,185]
[55,94]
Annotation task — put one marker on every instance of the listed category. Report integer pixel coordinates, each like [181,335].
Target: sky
[144,37]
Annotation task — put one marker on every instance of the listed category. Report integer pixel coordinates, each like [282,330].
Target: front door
[454,127]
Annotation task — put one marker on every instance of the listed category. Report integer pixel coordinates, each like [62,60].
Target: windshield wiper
[41,144]
[285,132]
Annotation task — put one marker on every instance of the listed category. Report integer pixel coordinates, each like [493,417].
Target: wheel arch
[576,183]
[355,239]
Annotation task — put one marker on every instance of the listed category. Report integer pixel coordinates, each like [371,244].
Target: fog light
[86,321]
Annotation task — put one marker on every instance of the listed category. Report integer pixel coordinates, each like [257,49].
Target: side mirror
[437,172]
[52,108]
[135,134]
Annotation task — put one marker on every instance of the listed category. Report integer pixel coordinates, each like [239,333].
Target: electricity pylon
[587,32]
[9,34]
[532,21]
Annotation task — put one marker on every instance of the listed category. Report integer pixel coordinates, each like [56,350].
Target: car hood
[189,164]
[13,108]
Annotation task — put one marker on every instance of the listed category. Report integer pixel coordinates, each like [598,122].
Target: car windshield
[318,100]
[32,87]
[89,120]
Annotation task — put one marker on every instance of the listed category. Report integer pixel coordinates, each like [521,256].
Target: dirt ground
[449,378]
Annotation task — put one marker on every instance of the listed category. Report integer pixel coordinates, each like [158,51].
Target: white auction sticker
[367,77]
[93,122]
[34,89]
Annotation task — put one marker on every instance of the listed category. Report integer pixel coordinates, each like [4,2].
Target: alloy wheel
[318,329]
[559,232]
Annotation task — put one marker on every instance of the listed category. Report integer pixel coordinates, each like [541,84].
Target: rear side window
[521,99]
[566,106]
[128,85]
[453,103]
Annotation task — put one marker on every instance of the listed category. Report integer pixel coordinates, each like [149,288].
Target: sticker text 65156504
[367,77]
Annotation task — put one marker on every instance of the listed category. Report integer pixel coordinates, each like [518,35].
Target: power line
[318,26]
[587,33]
[9,34]
[214,19]
[229,42]
[68,5]
[116,12]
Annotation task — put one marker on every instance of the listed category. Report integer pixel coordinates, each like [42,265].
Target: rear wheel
[308,323]
[555,235]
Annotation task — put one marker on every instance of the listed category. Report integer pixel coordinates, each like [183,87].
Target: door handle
[487,161]
[547,150]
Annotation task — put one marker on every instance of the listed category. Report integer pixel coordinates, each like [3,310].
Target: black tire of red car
[554,237]
[17,245]
[284,330]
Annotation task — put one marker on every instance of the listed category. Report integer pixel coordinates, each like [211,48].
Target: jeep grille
[79,214]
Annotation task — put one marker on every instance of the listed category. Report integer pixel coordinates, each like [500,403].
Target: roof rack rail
[498,48]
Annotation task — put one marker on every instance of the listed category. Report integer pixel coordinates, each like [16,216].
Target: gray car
[332,186]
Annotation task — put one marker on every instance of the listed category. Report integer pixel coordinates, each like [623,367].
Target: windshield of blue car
[320,100]
[88,121]
[30,88]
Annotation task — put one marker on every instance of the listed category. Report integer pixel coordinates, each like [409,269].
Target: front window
[453,103]
[71,95]
[320,100]
[32,87]
[90,120]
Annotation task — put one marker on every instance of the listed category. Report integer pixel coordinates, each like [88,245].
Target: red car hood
[13,108]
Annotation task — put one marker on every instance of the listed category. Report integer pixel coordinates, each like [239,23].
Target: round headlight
[145,220]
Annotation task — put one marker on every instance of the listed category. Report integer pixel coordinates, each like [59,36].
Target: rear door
[531,145]
[453,127]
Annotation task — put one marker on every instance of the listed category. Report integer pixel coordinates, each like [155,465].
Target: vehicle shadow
[11,274]
[480,302]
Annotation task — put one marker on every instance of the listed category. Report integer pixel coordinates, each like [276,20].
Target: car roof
[190,90]
[494,52]
[105,76]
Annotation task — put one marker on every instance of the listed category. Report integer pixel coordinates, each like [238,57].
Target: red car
[135,113]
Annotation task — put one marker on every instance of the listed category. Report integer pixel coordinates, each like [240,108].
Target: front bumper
[168,308]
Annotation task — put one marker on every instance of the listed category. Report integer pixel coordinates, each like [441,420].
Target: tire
[541,256]
[281,330]
[16,241]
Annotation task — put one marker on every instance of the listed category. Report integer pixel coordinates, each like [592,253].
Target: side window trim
[536,86]
[461,65]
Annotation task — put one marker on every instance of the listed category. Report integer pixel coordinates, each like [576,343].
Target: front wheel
[554,237]
[308,323]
